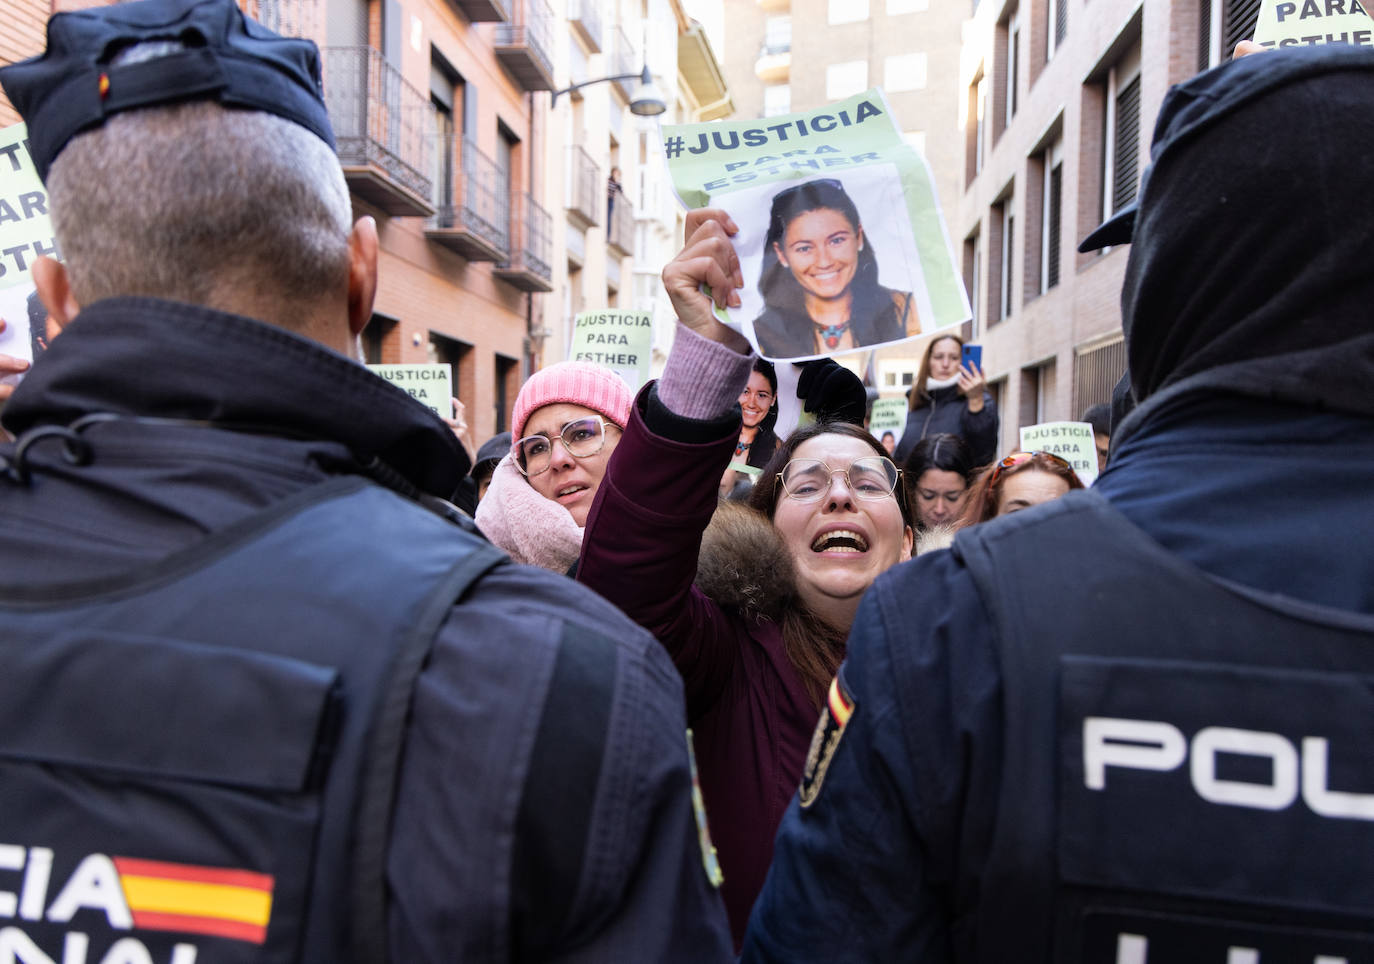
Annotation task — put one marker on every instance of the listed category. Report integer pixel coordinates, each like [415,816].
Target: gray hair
[205,204]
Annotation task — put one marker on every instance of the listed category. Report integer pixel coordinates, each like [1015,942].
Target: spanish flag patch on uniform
[839,708]
[197,900]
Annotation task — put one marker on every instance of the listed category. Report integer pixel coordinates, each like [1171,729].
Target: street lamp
[646,102]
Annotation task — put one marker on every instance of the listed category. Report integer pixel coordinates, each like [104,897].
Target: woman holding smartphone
[950,395]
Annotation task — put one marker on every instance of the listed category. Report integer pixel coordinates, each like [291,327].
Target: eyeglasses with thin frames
[872,478]
[581,438]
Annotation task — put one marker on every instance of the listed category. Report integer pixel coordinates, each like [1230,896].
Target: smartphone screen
[972,355]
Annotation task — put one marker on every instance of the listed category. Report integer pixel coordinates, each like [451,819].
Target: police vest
[197,762]
[1188,770]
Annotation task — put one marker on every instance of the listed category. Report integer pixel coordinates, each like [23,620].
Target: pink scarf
[532,529]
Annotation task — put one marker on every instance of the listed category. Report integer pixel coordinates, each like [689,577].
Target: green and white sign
[1071,441]
[619,340]
[888,418]
[429,384]
[841,240]
[1304,23]
[25,235]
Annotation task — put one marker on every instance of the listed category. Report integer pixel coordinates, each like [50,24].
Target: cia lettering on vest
[106,896]
[1153,745]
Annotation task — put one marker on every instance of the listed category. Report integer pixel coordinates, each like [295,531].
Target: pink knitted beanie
[580,383]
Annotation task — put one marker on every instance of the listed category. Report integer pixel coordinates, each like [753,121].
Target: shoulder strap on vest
[377,792]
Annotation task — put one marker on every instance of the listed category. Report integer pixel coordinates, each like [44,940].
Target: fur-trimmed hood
[744,566]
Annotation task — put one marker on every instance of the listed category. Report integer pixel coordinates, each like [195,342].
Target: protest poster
[1071,441]
[888,421]
[430,384]
[25,233]
[619,340]
[1294,23]
[841,240]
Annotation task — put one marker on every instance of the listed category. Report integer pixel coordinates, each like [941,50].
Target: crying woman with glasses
[754,605]
[819,280]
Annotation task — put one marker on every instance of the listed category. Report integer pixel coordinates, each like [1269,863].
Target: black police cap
[218,54]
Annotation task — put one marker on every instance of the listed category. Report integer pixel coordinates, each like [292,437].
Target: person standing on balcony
[614,190]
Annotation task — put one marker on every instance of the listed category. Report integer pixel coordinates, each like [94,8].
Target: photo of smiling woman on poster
[819,280]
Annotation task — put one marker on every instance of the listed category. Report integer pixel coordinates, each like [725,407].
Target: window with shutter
[1052,234]
[1126,143]
[1238,24]
[1096,372]
[1061,21]
[1204,35]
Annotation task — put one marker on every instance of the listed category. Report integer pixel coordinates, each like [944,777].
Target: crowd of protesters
[197,568]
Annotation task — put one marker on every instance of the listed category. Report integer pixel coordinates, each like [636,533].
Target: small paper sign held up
[619,340]
[888,421]
[1294,23]
[25,234]
[430,385]
[1071,441]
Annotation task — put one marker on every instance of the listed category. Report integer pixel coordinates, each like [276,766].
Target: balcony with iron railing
[586,193]
[290,18]
[585,17]
[775,55]
[525,45]
[624,60]
[530,267]
[473,202]
[383,130]
[620,232]
[483,11]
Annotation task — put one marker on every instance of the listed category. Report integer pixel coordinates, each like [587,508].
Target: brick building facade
[489,204]
[1060,98]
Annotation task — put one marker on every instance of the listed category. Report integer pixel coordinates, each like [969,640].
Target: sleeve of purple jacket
[642,540]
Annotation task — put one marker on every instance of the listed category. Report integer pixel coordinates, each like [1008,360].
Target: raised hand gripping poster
[841,240]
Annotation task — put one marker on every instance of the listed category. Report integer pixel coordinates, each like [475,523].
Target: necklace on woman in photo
[830,335]
[741,447]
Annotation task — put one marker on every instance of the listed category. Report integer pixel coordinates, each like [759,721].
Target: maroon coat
[750,713]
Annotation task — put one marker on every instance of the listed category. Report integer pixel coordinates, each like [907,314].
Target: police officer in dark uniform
[263,695]
[1132,726]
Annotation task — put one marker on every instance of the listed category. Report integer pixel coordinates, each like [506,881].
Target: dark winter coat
[712,597]
[789,334]
[947,411]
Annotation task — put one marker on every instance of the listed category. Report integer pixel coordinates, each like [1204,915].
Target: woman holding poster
[752,606]
[820,279]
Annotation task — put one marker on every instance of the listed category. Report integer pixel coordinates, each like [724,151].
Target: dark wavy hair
[765,368]
[814,647]
[779,289]
[942,451]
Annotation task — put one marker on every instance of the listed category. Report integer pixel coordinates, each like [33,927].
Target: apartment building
[492,208]
[1060,98]
[614,246]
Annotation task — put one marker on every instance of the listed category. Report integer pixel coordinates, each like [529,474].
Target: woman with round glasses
[1020,481]
[565,424]
[754,609]
[820,279]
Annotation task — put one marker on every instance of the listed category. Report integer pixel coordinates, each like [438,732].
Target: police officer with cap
[263,695]
[1132,726]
